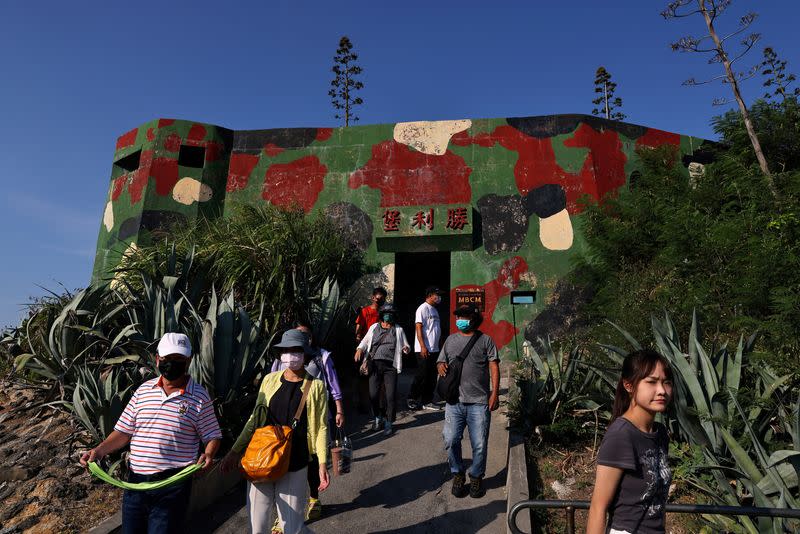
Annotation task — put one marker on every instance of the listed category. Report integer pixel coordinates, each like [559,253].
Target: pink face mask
[293,360]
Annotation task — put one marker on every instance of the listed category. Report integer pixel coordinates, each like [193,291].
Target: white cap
[174,343]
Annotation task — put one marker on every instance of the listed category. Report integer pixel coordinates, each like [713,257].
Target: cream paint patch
[116,283]
[555,231]
[388,275]
[189,190]
[429,137]
[108,216]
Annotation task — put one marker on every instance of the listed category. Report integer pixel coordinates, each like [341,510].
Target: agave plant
[233,348]
[550,385]
[709,414]
[86,331]
[101,394]
[325,310]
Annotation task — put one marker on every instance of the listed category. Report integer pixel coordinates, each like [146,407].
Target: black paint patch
[254,141]
[707,153]
[564,313]
[353,223]
[504,223]
[545,200]
[156,222]
[551,125]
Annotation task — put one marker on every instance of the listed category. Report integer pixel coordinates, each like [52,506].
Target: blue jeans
[155,511]
[476,418]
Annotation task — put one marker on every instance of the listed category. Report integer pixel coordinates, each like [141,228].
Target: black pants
[159,511]
[313,477]
[425,379]
[384,373]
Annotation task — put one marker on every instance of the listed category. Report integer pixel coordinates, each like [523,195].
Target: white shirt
[431,331]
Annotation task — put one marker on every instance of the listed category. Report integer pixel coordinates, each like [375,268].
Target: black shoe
[458,485]
[475,487]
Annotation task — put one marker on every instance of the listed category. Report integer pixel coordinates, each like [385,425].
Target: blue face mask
[462,324]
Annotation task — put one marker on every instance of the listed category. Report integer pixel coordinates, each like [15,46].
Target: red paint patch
[150,134]
[655,138]
[502,332]
[119,187]
[299,182]
[411,178]
[165,122]
[272,150]
[140,177]
[212,151]
[127,139]
[608,159]
[323,134]
[603,169]
[239,170]
[165,171]
[196,133]
[172,143]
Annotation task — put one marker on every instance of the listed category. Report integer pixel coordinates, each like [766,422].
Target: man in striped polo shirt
[164,422]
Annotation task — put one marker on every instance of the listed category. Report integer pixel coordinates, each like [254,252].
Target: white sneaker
[431,406]
[377,423]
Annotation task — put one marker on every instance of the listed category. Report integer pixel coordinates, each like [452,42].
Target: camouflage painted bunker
[478,207]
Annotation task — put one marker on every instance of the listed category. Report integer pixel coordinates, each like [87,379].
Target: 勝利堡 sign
[425,228]
[474,297]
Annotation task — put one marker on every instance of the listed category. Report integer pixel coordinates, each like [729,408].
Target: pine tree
[344,83]
[606,102]
[775,69]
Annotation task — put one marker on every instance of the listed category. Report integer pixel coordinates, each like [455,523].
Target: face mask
[293,360]
[388,318]
[437,300]
[462,324]
[172,369]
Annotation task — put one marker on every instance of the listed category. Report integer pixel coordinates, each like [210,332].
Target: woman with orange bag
[279,400]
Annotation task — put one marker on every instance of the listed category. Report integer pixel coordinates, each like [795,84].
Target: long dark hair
[636,366]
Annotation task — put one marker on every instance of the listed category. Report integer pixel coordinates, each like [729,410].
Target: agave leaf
[21,361]
[743,460]
[635,344]
[694,337]
[122,359]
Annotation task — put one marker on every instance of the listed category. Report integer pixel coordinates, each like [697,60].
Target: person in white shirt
[426,346]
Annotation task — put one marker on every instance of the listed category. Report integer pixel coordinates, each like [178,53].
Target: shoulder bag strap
[299,412]
[470,344]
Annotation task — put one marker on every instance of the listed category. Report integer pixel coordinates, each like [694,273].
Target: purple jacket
[327,374]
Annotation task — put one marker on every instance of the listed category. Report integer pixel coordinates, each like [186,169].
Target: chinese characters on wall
[422,220]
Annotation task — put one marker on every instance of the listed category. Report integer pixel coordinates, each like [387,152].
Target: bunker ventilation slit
[192,156]
[130,162]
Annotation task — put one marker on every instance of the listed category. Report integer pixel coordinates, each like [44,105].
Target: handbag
[447,386]
[341,453]
[368,363]
[267,455]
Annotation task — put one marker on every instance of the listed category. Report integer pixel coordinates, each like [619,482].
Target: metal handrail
[571,506]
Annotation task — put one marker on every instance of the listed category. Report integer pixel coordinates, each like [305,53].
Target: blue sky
[78,74]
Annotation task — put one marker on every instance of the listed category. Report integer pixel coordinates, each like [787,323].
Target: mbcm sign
[475,297]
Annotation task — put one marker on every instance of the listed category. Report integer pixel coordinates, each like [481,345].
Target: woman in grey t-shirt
[633,476]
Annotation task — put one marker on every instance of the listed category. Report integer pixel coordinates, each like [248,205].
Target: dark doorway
[415,271]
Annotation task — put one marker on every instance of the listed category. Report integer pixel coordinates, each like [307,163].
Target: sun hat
[174,343]
[294,338]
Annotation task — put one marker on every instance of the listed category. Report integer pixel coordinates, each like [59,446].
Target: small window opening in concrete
[192,156]
[130,162]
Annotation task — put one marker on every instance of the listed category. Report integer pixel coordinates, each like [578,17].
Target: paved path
[401,484]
